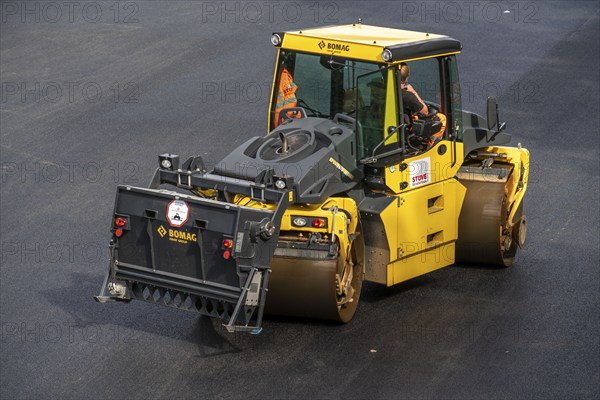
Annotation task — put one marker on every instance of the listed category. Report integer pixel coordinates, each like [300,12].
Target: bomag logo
[176,235]
[334,47]
[338,47]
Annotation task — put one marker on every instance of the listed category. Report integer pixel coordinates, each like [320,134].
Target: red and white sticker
[420,172]
[177,213]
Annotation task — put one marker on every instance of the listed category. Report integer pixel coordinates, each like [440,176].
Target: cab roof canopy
[368,42]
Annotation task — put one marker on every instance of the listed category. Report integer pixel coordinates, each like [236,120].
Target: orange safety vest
[286,94]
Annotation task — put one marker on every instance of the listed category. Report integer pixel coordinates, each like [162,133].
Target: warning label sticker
[420,172]
[177,213]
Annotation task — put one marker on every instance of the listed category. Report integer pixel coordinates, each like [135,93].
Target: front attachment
[191,253]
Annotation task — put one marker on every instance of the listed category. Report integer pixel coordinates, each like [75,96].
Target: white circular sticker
[177,212]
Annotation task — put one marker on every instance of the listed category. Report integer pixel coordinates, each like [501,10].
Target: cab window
[455,100]
[323,85]
[372,92]
[425,79]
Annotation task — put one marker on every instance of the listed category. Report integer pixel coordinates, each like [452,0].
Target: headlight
[276,39]
[166,164]
[299,221]
[169,161]
[280,184]
[387,55]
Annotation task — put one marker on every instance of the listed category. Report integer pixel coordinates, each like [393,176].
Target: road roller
[348,185]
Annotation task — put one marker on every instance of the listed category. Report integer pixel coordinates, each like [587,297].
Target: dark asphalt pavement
[92,92]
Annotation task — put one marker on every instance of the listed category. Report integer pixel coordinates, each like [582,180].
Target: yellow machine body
[421,224]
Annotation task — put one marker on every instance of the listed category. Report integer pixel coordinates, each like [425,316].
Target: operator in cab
[416,107]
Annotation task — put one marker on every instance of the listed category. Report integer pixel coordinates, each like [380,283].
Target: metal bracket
[187,185]
[102,297]
[253,294]
[155,181]
[261,191]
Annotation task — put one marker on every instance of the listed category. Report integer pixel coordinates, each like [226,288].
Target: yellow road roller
[370,170]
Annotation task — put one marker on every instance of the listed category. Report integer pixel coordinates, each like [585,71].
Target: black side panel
[377,252]
[476,135]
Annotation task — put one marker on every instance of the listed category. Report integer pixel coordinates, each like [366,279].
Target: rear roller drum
[484,235]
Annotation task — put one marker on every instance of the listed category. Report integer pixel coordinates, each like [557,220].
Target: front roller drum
[312,288]
[484,236]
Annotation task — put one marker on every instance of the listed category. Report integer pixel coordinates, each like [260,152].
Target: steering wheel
[432,111]
[296,112]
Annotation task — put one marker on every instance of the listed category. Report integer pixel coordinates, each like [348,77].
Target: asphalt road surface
[92,92]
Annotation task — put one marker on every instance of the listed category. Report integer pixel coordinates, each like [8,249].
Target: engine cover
[319,155]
